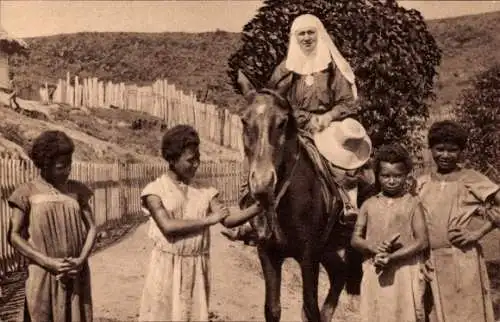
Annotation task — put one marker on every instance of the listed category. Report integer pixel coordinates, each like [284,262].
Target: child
[177,286]
[52,225]
[390,231]
[451,196]
[13,93]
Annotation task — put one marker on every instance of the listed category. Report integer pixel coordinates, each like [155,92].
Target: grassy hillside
[101,135]
[470,45]
[195,62]
[198,62]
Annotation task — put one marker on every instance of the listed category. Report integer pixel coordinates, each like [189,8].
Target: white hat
[345,144]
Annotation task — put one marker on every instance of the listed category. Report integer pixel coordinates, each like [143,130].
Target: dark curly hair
[447,132]
[176,140]
[48,146]
[392,153]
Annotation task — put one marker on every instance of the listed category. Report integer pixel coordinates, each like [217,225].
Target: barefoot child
[52,225]
[452,197]
[390,231]
[177,286]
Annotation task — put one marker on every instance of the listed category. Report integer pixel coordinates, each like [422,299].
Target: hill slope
[470,45]
[195,62]
[101,135]
[198,62]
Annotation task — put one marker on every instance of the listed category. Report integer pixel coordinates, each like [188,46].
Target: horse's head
[267,126]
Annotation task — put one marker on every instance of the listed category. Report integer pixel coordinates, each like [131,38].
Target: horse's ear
[283,86]
[246,86]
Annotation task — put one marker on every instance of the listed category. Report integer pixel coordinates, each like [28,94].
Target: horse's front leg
[335,266]
[310,271]
[271,267]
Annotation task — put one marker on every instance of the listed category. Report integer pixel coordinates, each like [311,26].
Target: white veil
[324,53]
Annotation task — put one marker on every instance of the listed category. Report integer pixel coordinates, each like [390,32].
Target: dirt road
[238,287]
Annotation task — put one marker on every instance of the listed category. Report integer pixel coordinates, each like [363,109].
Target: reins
[285,186]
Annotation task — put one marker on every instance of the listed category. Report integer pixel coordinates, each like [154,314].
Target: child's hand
[426,269]
[384,247]
[57,265]
[217,217]
[462,237]
[381,260]
[71,274]
[75,262]
[387,245]
[75,265]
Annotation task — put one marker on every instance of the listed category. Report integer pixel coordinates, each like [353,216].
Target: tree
[478,110]
[393,55]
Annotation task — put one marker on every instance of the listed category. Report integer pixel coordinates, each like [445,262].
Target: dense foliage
[389,47]
[479,111]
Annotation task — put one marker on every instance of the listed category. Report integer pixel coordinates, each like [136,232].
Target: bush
[390,49]
[13,133]
[145,124]
[478,110]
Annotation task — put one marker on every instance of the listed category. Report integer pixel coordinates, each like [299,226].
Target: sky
[40,18]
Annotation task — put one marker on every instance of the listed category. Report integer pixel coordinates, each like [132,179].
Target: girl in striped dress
[52,225]
[177,286]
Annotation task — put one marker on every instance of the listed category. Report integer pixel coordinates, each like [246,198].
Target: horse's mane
[283,102]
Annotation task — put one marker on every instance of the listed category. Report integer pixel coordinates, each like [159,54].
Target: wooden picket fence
[160,99]
[116,188]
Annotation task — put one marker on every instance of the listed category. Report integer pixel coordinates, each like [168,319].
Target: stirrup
[349,216]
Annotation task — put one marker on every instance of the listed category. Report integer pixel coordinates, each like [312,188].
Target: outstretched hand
[217,217]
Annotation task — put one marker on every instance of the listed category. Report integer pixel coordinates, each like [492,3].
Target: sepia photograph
[249,160]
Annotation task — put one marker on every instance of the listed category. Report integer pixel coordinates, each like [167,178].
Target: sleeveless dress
[177,286]
[56,229]
[396,294]
[460,284]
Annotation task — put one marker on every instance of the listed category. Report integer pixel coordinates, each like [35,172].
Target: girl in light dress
[177,285]
[452,197]
[53,226]
[390,231]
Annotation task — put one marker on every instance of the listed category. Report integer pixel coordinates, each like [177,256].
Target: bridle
[288,180]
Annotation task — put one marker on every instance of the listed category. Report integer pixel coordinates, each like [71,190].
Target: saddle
[327,174]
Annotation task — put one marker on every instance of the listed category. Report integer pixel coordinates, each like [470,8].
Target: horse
[283,178]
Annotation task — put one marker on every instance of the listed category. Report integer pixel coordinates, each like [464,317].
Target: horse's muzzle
[262,182]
